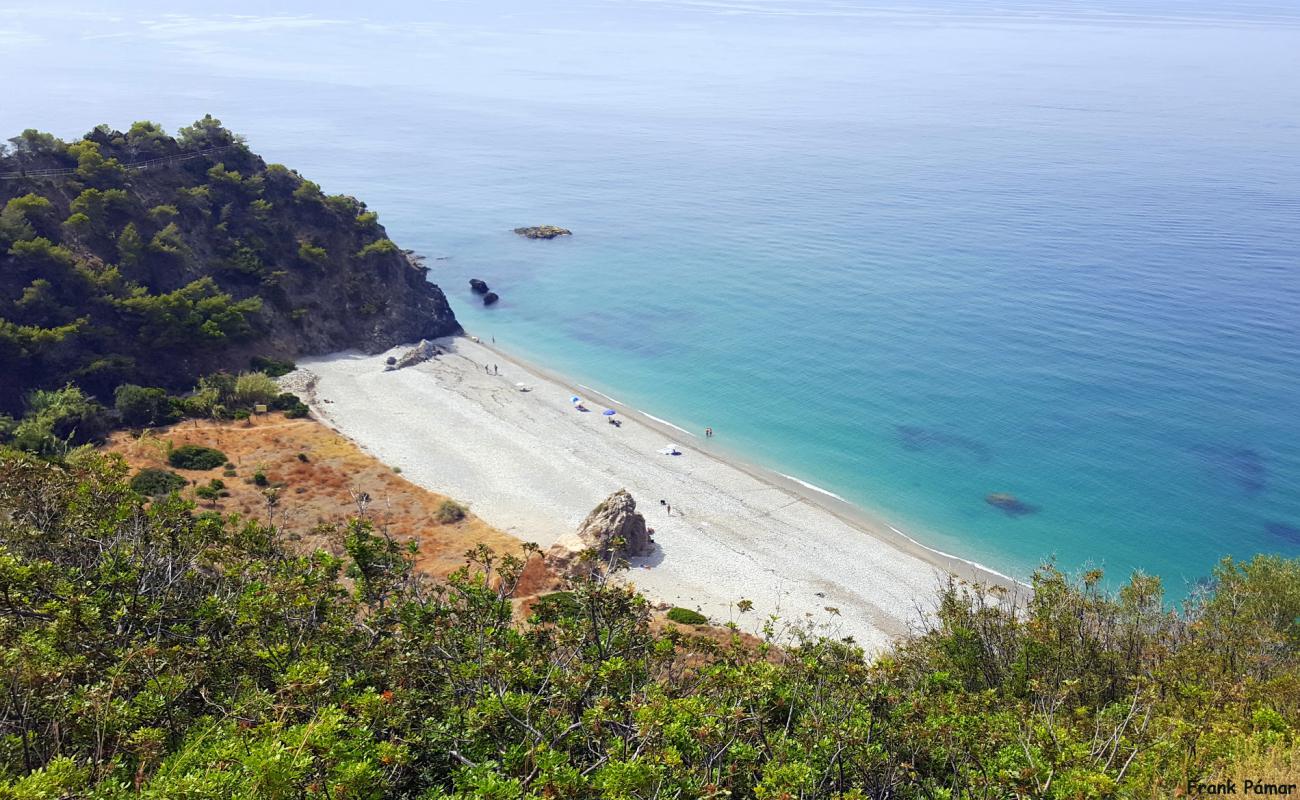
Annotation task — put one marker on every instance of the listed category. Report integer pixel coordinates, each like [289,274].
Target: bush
[260,478]
[450,511]
[297,412]
[382,247]
[285,401]
[272,366]
[196,457]
[152,482]
[252,388]
[59,418]
[685,616]
[553,606]
[142,405]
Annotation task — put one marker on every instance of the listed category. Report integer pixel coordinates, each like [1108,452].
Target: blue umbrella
[575,399]
[609,412]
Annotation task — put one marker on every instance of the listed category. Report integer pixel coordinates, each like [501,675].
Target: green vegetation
[273,367]
[152,482]
[686,616]
[113,276]
[449,512]
[196,457]
[140,406]
[192,655]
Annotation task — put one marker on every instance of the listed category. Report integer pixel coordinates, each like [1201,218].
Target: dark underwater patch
[1284,531]
[1010,505]
[1244,467]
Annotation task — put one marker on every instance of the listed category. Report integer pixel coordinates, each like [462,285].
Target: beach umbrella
[575,399]
[609,412]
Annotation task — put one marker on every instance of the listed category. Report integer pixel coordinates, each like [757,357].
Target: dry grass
[317,495]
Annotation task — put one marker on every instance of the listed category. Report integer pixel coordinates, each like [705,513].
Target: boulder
[543,232]
[423,351]
[614,528]
[477,286]
[490,298]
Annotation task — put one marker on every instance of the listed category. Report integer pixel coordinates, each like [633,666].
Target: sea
[912,254]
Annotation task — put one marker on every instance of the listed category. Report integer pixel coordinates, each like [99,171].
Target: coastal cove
[530,464]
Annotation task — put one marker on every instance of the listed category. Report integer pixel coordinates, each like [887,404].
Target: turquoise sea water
[911,257]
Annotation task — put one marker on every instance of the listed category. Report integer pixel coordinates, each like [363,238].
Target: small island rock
[490,298]
[543,232]
[477,286]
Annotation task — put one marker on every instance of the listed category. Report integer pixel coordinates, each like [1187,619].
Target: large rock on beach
[613,528]
[423,351]
[543,232]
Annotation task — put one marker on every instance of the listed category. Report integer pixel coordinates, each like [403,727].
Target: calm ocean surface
[912,258]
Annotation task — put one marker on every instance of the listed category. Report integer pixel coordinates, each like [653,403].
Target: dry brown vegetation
[314,495]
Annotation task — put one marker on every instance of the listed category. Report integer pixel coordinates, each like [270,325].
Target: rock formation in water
[490,298]
[477,286]
[613,528]
[543,232]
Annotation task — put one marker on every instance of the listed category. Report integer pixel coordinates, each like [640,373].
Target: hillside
[193,654]
[143,258]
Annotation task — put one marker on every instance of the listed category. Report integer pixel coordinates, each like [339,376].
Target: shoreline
[850,512]
[529,464]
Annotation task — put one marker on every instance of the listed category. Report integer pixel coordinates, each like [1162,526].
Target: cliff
[145,258]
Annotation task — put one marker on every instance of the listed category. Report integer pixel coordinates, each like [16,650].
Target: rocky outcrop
[613,529]
[543,232]
[224,258]
[423,351]
[477,286]
[490,298]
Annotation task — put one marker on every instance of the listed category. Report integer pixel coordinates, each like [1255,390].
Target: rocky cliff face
[141,258]
[614,528]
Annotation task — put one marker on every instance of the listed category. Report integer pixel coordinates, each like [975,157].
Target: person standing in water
[708,433]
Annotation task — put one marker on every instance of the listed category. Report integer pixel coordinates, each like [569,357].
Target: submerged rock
[477,286]
[1009,504]
[613,529]
[543,232]
[490,298]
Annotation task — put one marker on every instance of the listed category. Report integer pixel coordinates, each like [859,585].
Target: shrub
[208,493]
[58,418]
[273,367]
[260,478]
[196,457]
[252,388]
[142,405]
[152,482]
[302,457]
[313,254]
[685,616]
[553,606]
[297,412]
[285,401]
[381,247]
[450,511]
